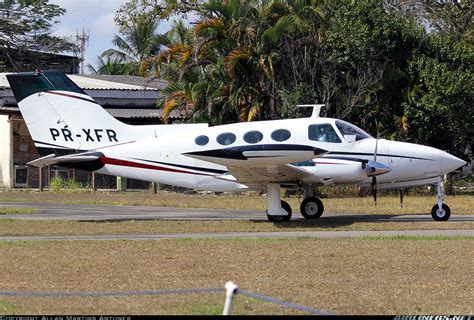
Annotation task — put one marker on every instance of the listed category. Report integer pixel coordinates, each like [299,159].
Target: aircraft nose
[448,162]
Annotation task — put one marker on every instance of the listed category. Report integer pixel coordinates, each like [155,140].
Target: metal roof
[141,113]
[99,82]
[132,80]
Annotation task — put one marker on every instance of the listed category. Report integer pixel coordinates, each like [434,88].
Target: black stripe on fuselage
[71,96]
[330,154]
[185,167]
[237,153]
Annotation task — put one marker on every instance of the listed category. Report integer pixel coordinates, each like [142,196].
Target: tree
[137,41]
[25,25]
[439,106]
[109,65]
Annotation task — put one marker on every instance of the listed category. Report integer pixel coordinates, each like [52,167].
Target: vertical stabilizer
[61,117]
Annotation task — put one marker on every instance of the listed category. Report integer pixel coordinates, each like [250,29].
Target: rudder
[61,117]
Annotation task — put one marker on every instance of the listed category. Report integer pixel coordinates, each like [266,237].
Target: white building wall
[6,157]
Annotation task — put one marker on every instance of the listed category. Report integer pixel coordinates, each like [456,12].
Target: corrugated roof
[133,80]
[141,113]
[117,113]
[92,83]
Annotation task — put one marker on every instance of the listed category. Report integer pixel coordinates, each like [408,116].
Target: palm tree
[138,42]
[110,65]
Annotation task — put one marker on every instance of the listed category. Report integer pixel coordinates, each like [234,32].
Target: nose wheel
[440,211]
[441,214]
[311,208]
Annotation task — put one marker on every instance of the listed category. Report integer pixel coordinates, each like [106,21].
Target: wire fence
[168,292]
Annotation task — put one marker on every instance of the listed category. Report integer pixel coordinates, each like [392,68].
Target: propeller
[401,198]
[374,178]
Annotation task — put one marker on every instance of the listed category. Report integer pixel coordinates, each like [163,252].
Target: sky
[95,16]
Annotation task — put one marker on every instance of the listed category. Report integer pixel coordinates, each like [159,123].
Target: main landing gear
[440,211]
[280,211]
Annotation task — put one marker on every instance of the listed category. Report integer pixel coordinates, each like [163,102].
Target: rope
[165,292]
[282,303]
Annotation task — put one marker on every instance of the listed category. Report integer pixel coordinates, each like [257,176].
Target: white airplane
[70,129]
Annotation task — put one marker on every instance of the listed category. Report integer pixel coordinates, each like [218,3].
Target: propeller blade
[401,198]
[374,178]
[374,189]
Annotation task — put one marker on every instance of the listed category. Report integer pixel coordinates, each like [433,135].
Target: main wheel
[442,214]
[312,208]
[286,218]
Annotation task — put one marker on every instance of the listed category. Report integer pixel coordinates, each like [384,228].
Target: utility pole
[82,41]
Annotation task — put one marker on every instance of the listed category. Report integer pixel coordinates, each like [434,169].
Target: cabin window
[253,136]
[281,135]
[350,132]
[323,133]
[226,138]
[202,140]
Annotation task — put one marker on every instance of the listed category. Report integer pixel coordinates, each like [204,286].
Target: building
[130,99]
[31,60]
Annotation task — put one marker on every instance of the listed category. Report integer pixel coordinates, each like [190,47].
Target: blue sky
[97,16]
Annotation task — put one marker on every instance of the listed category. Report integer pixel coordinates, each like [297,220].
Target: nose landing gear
[440,211]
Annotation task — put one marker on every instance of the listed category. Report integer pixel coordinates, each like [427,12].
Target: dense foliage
[25,25]
[400,69]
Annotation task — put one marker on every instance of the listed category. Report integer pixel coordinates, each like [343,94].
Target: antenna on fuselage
[316,109]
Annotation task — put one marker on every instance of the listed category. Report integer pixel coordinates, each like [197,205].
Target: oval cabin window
[226,138]
[253,137]
[281,135]
[202,140]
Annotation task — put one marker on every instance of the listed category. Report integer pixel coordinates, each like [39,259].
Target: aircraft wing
[260,176]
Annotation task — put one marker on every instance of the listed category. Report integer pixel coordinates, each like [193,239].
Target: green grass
[420,238]
[17,210]
[6,307]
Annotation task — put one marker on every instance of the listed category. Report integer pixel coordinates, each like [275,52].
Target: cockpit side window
[350,132]
[323,133]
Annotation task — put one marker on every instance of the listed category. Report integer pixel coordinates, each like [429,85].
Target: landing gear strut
[278,210]
[440,211]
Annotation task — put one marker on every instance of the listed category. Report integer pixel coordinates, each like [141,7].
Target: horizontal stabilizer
[51,159]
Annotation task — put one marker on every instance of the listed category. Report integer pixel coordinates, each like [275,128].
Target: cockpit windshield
[350,132]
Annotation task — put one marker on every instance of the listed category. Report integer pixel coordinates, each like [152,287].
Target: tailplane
[61,117]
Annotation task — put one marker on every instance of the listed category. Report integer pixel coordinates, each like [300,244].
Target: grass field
[246,201]
[343,276]
[14,227]
[386,205]
[386,275]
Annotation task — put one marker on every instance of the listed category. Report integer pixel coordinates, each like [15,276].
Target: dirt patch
[344,276]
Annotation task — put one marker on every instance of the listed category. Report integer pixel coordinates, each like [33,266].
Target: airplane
[70,129]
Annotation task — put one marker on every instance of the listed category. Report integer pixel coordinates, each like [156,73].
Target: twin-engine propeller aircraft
[70,129]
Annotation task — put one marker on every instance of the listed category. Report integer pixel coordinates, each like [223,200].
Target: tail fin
[61,117]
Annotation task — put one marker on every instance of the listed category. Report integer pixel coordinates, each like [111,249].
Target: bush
[59,183]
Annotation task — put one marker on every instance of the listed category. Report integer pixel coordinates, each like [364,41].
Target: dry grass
[251,201]
[247,201]
[14,227]
[344,276]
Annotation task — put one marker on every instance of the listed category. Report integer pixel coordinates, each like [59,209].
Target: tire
[286,218]
[312,208]
[441,215]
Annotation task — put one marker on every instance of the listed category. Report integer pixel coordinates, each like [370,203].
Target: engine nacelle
[331,171]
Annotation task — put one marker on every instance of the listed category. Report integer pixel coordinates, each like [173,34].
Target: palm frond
[233,59]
